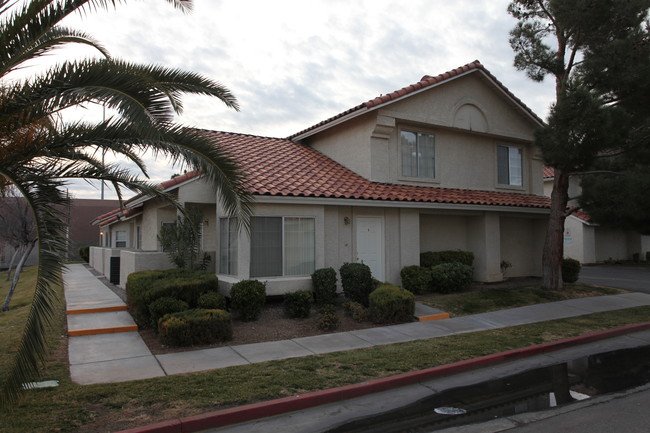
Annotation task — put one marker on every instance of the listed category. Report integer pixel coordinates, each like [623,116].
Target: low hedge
[211,301]
[356,311]
[195,327]
[570,270]
[356,280]
[391,304]
[247,297]
[451,277]
[144,287]
[328,319]
[163,306]
[298,304]
[433,258]
[416,279]
[324,281]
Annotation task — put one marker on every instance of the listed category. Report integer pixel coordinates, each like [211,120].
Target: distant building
[81,232]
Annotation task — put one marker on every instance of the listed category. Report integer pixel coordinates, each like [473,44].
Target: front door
[370,244]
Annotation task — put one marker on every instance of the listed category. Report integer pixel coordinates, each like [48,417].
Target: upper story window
[418,154]
[120,239]
[509,165]
[282,246]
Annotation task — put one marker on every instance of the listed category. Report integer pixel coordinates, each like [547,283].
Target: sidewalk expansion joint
[97,310]
[98,331]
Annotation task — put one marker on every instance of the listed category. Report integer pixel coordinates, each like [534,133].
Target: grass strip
[111,407]
[483,301]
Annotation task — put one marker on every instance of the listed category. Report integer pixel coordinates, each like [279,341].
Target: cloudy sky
[293,63]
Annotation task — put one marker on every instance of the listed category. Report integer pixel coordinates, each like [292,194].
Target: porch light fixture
[346,220]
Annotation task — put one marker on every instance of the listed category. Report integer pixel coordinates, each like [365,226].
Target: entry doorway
[370,244]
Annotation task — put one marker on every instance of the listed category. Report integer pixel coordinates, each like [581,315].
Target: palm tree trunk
[554,244]
[19,268]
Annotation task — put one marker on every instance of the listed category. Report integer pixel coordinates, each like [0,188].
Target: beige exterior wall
[522,244]
[465,148]
[135,261]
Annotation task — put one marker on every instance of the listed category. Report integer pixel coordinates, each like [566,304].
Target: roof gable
[426,82]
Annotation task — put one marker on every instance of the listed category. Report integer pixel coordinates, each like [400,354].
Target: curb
[254,411]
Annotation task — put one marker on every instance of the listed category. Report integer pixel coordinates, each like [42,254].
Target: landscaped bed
[112,407]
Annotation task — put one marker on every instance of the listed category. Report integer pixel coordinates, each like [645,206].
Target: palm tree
[40,151]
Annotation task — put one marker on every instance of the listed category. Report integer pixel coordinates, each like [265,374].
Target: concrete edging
[254,411]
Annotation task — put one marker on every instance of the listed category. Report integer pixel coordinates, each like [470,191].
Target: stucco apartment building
[445,163]
[588,242]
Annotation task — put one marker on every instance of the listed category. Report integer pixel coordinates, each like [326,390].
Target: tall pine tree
[596,51]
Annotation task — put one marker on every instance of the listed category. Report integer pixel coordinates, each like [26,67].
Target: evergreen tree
[597,52]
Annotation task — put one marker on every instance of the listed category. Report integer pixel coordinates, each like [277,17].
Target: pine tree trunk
[554,244]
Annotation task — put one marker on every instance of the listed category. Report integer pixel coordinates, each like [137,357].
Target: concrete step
[424,313]
[106,322]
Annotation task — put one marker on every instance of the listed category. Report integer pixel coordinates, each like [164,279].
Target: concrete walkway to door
[104,347]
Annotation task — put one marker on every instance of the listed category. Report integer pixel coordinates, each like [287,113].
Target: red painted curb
[289,404]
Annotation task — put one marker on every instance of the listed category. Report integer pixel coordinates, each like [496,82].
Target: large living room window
[509,165]
[418,154]
[282,246]
[228,246]
[120,239]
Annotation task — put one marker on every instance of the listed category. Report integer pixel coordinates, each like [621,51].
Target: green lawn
[112,407]
[481,301]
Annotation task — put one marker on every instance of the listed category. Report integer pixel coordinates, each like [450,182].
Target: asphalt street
[620,277]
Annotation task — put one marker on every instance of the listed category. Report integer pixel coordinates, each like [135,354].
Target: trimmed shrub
[328,320]
[356,311]
[434,258]
[356,280]
[298,304]
[570,270]
[391,304]
[144,287]
[84,253]
[416,279]
[163,306]
[211,301]
[451,277]
[247,298]
[194,327]
[324,281]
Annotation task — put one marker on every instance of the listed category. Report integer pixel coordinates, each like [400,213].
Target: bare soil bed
[271,326]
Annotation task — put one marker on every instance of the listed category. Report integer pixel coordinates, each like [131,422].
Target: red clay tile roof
[116,215]
[426,81]
[548,172]
[584,216]
[280,167]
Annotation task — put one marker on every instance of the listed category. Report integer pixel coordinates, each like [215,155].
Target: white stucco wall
[135,261]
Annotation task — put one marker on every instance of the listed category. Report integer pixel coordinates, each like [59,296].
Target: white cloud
[293,63]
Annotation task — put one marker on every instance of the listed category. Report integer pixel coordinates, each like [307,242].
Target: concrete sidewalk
[106,351]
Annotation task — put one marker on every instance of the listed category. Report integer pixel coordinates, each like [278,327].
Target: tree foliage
[40,151]
[182,241]
[598,53]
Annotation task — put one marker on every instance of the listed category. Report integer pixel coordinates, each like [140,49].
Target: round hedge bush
[194,327]
[211,301]
[298,304]
[451,277]
[247,299]
[356,280]
[416,279]
[163,306]
[324,281]
[570,270]
[391,304]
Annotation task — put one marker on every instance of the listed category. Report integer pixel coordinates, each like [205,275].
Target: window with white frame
[120,239]
[282,246]
[418,154]
[509,165]
[228,246]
